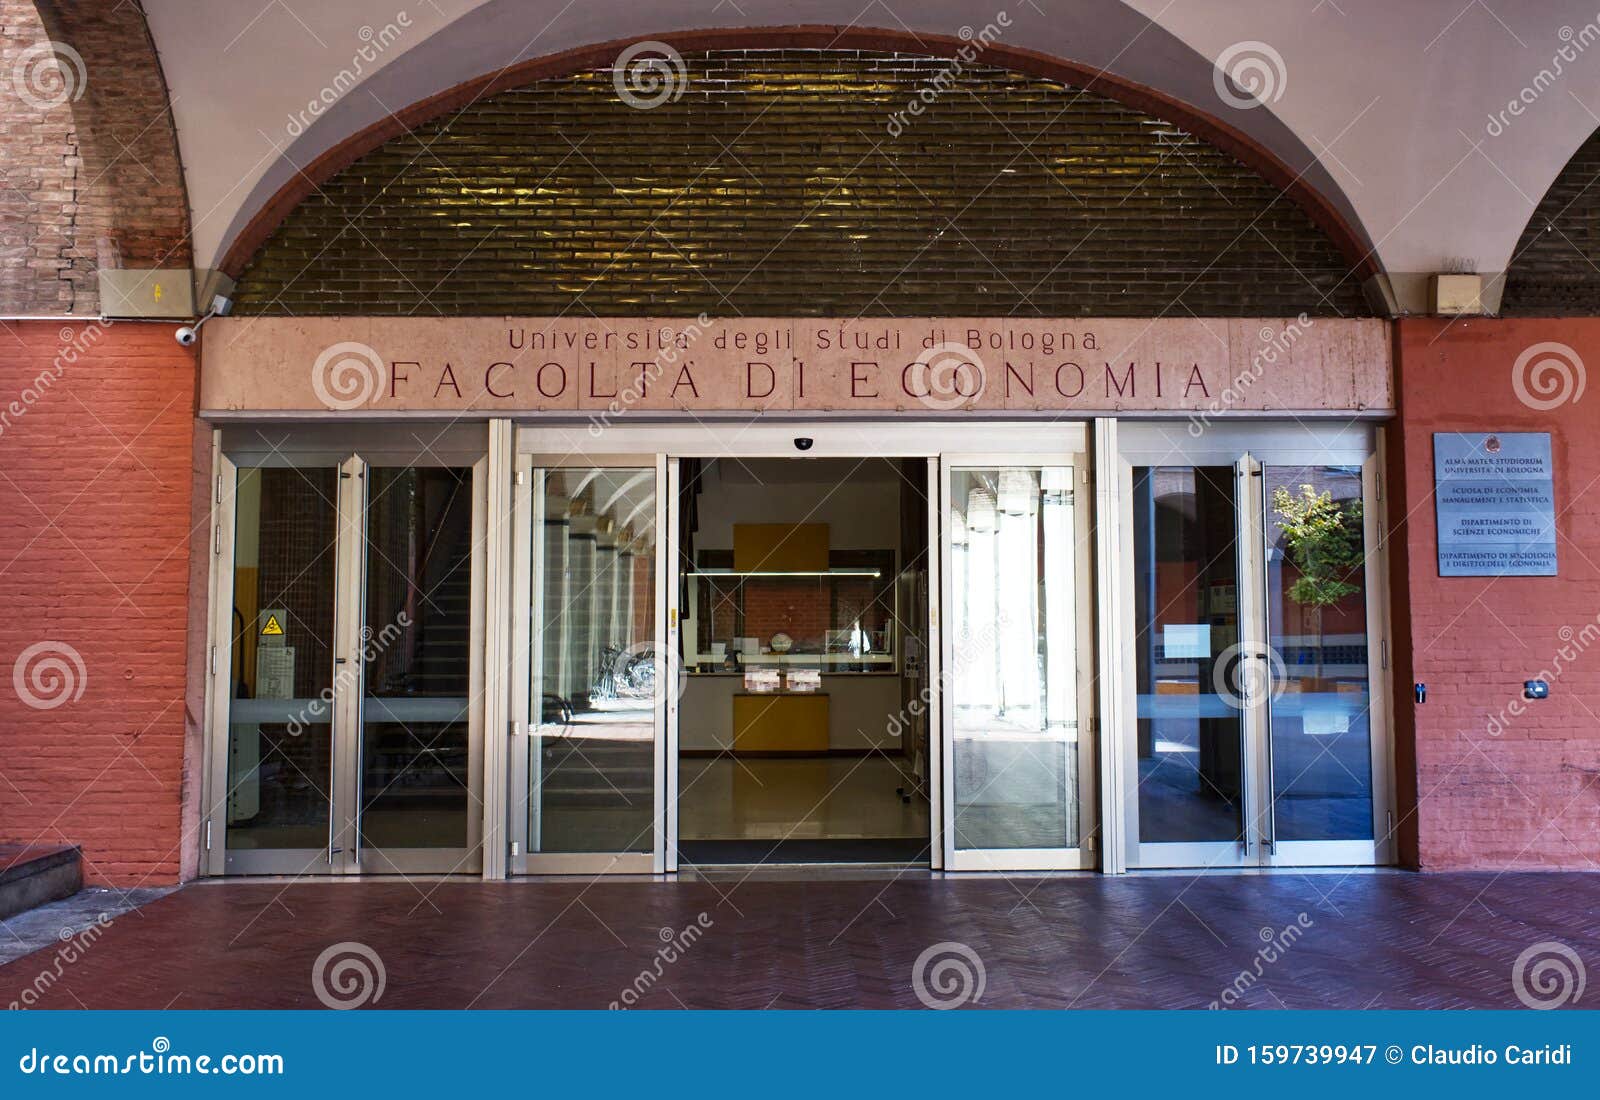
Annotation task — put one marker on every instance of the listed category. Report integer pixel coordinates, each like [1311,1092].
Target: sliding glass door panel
[1190,732]
[280,776]
[1317,633]
[1013,703]
[596,687]
[416,800]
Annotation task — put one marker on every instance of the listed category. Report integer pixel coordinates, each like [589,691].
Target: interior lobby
[804,596]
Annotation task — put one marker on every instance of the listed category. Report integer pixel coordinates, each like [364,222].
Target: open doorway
[803,716]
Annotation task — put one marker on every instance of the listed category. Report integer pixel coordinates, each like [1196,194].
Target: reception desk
[861,707]
[778,722]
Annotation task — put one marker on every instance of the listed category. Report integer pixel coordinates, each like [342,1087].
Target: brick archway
[94,161]
[1345,237]
[1551,272]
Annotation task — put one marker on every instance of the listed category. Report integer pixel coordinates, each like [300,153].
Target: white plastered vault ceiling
[1383,106]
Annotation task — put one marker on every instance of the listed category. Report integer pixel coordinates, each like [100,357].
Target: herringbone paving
[1391,940]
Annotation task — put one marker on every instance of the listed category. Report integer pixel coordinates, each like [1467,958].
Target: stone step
[35,874]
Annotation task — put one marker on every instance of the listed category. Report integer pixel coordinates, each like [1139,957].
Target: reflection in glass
[416,653]
[1013,674]
[1186,618]
[594,667]
[1317,625]
[280,722]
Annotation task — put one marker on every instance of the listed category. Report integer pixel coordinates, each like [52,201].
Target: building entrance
[712,644]
[1257,730]
[803,724]
[346,627]
[752,652]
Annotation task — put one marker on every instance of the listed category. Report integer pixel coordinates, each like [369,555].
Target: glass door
[1255,734]
[1019,765]
[417,768]
[1189,758]
[351,672]
[1325,758]
[275,802]
[595,672]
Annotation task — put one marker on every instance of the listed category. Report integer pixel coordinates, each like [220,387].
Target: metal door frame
[1242,852]
[342,853]
[581,441]
[216,858]
[431,861]
[1381,848]
[527,648]
[1248,447]
[584,441]
[1085,855]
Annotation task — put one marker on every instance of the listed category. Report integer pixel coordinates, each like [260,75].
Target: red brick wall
[95,528]
[1495,789]
[95,491]
[803,608]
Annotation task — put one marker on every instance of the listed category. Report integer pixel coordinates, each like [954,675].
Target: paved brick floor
[1393,940]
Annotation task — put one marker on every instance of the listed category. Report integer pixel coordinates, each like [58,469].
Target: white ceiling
[1383,105]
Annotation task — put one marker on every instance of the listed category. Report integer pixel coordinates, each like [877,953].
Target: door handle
[333,787]
[360,775]
[1270,840]
[1245,816]
[1255,824]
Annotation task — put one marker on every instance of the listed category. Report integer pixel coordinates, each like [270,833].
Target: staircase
[594,773]
[444,632]
[437,663]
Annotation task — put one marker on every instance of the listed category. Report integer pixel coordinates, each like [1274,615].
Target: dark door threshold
[753,852]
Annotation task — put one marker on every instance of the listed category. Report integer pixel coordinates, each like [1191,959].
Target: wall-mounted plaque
[598,368]
[1495,502]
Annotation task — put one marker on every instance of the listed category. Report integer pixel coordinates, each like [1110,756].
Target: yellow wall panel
[780,547]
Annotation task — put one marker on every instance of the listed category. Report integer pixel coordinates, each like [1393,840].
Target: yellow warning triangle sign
[272,627]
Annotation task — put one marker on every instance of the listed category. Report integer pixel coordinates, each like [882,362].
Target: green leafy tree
[1324,543]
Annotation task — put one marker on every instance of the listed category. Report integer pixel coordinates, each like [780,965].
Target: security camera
[803,443]
[221,306]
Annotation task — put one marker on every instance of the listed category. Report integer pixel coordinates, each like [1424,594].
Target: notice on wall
[275,672]
[272,620]
[1495,501]
[1185,641]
